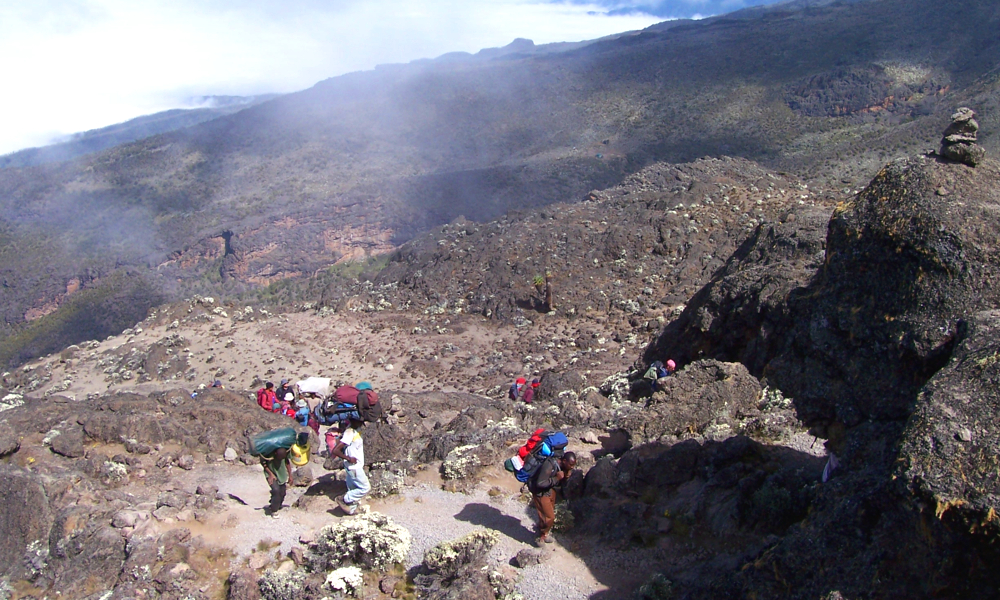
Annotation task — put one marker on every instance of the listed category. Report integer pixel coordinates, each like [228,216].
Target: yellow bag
[299,454]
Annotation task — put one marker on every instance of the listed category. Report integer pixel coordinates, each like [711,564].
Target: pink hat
[671,365]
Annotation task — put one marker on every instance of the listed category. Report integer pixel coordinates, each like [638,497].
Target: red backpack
[533,441]
[265,399]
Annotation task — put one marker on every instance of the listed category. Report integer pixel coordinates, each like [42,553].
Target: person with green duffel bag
[277,450]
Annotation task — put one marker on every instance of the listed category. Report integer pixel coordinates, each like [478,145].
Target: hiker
[284,389]
[351,448]
[656,371]
[302,413]
[515,388]
[284,405]
[277,468]
[553,472]
[528,393]
[266,397]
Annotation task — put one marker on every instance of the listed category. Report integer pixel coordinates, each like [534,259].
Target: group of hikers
[541,464]
[345,410]
[522,390]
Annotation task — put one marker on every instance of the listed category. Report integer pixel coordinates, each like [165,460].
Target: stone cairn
[959,141]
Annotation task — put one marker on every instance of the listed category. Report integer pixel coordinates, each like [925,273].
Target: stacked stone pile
[959,141]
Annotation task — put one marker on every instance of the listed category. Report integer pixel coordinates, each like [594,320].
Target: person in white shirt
[351,448]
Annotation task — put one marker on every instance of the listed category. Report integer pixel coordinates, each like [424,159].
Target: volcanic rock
[10,442]
[951,442]
[903,268]
[69,442]
[703,393]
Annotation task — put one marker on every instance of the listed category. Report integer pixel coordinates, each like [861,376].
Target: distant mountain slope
[358,164]
[96,140]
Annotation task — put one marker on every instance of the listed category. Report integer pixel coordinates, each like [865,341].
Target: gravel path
[433,515]
[430,514]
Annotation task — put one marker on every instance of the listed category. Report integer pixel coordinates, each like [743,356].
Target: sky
[74,65]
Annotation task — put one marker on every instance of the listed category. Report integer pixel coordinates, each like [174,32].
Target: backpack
[366,402]
[541,446]
[266,442]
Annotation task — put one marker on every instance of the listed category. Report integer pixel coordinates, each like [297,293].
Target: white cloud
[73,65]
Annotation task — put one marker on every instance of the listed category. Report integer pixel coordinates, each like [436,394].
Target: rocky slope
[361,163]
[876,343]
[830,431]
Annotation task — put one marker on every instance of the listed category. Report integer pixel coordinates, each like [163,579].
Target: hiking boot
[541,541]
[344,506]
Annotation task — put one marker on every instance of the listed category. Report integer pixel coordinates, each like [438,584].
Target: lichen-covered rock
[371,540]
[904,266]
[447,558]
[385,483]
[243,585]
[348,580]
[950,449]
[276,585]
[464,461]
[455,569]
[703,393]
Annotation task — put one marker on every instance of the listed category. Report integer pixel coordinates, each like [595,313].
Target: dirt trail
[429,513]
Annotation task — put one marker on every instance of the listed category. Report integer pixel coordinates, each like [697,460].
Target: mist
[85,64]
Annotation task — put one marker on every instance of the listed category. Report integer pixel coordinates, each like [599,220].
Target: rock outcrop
[888,353]
[951,445]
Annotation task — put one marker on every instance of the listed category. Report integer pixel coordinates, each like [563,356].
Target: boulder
[10,442]
[385,483]
[207,490]
[553,383]
[904,267]
[125,518]
[737,316]
[529,557]
[602,477]
[703,393]
[25,519]
[302,476]
[243,585]
[69,442]
[384,443]
[455,569]
[171,499]
[186,462]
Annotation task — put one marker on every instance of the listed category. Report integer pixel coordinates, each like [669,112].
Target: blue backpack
[553,446]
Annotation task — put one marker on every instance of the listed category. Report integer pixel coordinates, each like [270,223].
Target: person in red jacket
[266,397]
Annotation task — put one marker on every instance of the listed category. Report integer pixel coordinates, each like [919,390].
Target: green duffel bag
[265,443]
